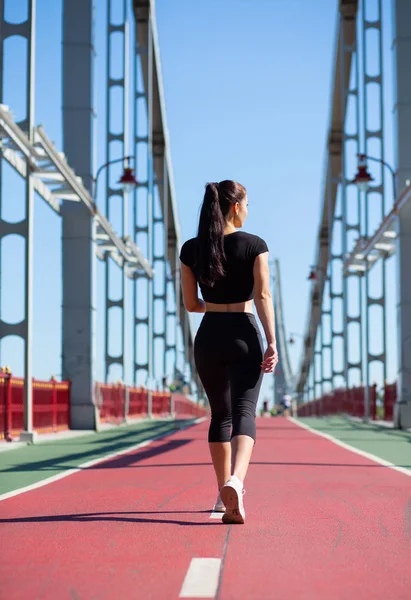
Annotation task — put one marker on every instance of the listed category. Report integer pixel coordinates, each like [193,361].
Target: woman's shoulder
[189,244]
[252,238]
[192,240]
[187,252]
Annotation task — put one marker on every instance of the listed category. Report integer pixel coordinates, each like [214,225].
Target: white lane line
[201,580]
[331,438]
[93,462]
[216,515]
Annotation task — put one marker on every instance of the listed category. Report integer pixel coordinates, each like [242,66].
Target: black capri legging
[228,353]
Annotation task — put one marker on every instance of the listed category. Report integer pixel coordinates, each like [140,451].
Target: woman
[231,268]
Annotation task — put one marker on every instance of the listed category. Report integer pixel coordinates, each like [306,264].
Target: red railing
[390,398]
[116,402]
[51,405]
[138,402]
[183,407]
[161,404]
[341,401]
[110,400]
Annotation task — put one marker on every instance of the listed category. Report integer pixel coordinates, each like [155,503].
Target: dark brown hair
[217,203]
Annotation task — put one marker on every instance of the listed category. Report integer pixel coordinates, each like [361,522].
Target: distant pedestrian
[286,404]
[231,268]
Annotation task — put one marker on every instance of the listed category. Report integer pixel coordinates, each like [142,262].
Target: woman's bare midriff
[246,307]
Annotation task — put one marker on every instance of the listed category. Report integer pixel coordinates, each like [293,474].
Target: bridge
[103,440]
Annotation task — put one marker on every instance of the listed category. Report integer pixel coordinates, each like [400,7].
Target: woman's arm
[264,304]
[192,302]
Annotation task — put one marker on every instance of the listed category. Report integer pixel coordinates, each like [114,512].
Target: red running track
[322,523]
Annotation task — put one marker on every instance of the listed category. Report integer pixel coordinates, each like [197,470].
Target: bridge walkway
[323,521]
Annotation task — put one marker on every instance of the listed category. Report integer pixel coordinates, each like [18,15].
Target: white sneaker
[232,496]
[219,506]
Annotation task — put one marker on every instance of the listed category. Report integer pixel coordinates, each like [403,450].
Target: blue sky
[247,88]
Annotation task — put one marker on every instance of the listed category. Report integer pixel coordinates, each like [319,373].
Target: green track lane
[389,444]
[32,463]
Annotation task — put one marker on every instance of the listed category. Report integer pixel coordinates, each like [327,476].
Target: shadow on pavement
[127,435]
[129,460]
[121,462]
[116,517]
[276,464]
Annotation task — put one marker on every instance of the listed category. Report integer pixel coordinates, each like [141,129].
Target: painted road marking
[91,463]
[201,580]
[216,515]
[373,457]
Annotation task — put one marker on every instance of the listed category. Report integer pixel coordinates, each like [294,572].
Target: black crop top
[238,284]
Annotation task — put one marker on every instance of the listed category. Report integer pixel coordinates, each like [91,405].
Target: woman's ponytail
[211,255]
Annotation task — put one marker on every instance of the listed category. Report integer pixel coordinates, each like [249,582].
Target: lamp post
[292,337]
[128,183]
[127,180]
[314,270]
[363,178]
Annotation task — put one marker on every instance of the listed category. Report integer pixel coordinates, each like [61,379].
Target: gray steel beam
[143,224]
[332,219]
[51,166]
[160,259]
[165,193]
[348,12]
[376,134]
[402,113]
[381,244]
[79,330]
[112,139]
[140,141]
[144,10]
[28,434]
[20,165]
[352,339]
[25,226]
[150,202]
[284,378]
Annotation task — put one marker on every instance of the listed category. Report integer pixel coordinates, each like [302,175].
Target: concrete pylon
[402,113]
[78,352]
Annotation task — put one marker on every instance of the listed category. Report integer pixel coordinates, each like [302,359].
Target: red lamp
[362,178]
[128,180]
[312,276]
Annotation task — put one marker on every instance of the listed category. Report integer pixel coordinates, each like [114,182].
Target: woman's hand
[270,359]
